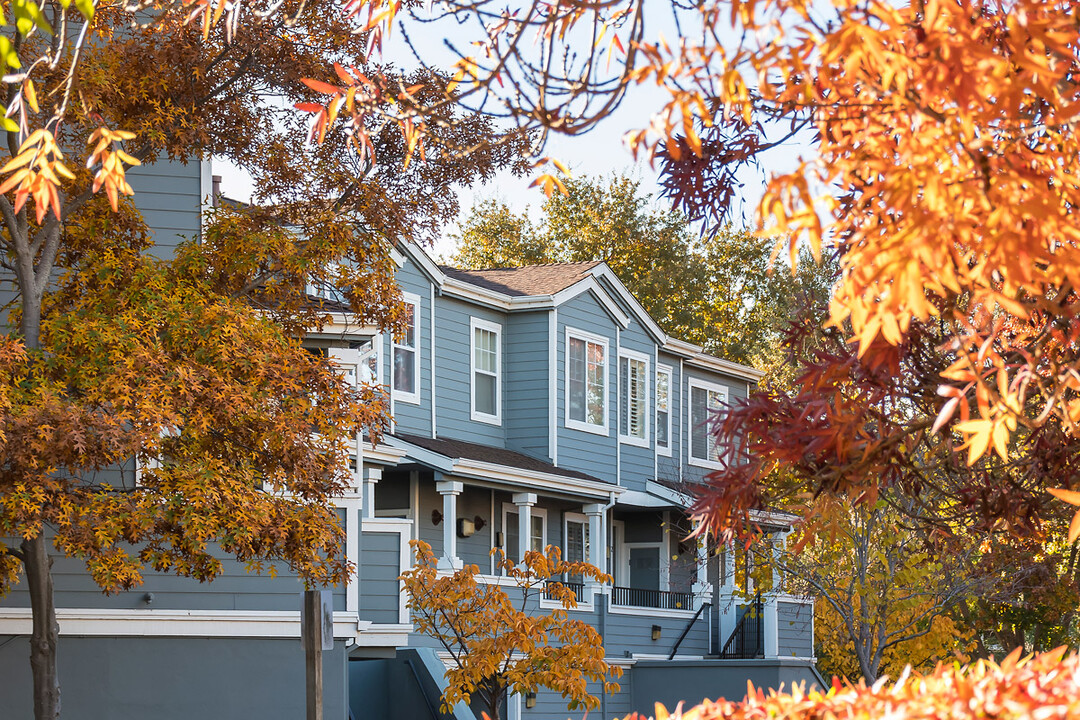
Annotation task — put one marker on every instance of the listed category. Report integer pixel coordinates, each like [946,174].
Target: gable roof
[543,286]
[527,280]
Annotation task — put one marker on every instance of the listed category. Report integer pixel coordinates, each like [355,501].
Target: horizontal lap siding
[579,450]
[378,577]
[234,589]
[452,380]
[410,417]
[553,706]
[633,634]
[526,377]
[169,196]
[795,629]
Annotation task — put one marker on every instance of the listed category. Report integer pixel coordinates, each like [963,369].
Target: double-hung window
[486,371]
[663,410]
[575,540]
[705,400]
[634,398]
[512,527]
[406,354]
[586,382]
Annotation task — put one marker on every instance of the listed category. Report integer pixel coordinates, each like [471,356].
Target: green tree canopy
[721,291]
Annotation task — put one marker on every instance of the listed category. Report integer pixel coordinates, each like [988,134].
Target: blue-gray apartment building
[530,406]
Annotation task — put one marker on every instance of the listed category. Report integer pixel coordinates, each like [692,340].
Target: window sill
[631,440]
[587,427]
[486,419]
[707,464]
[410,398]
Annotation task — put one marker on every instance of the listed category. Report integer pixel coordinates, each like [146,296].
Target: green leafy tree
[722,291]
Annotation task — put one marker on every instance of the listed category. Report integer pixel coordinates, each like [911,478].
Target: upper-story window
[705,400]
[634,405]
[663,410]
[486,371]
[407,353]
[586,382]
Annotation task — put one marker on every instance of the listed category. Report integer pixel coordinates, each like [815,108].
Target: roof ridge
[525,267]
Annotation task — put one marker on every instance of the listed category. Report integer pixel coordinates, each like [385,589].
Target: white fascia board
[773,517]
[636,498]
[603,271]
[590,283]
[397,256]
[384,453]
[341,324]
[674,497]
[427,265]
[421,455]
[534,479]
[384,635]
[177,623]
[696,355]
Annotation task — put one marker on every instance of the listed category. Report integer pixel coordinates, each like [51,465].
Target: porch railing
[577,587]
[748,638]
[660,599]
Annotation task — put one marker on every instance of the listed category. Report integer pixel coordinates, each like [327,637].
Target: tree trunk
[45,631]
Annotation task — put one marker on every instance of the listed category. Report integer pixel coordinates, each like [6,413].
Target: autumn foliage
[1040,686]
[501,641]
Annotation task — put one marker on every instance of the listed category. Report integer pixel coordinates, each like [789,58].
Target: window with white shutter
[634,394]
[663,410]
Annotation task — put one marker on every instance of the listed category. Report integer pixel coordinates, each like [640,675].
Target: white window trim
[509,508]
[661,449]
[624,402]
[474,324]
[377,351]
[598,340]
[574,517]
[692,428]
[399,395]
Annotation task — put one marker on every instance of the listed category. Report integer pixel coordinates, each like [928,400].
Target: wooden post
[311,631]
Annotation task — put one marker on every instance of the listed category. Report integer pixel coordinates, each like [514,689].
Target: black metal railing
[660,599]
[577,587]
[748,638]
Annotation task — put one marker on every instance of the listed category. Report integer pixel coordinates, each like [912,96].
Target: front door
[644,568]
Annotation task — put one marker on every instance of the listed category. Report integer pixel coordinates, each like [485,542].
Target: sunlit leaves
[111,159]
[500,641]
[36,172]
[1017,688]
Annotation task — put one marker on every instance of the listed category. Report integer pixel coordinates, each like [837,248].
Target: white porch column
[770,626]
[595,513]
[597,544]
[449,489]
[702,588]
[372,476]
[524,502]
[727,610]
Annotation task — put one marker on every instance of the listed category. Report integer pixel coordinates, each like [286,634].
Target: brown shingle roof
[486,453]
[527,280]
